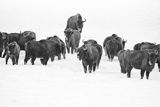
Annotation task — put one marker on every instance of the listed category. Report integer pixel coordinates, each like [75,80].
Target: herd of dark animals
[143,56]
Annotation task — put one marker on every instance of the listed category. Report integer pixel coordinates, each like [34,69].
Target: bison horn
[84,20]
[83,40]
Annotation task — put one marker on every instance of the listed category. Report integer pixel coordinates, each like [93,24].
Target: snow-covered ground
[64,84]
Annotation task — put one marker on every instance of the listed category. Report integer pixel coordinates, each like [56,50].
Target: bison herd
[143,56]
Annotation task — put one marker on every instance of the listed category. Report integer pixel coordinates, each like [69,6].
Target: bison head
[153,55]
[82,52]
[68,32]
[11,48]
[80,22]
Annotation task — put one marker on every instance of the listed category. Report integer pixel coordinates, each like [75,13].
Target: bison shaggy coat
[43,49]
[142,60]
[13,51]
[72,40]
[90,57]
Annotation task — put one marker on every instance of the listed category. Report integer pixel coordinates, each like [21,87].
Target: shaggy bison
[43,49]
[13,51]
[20,38]
[112,45]
[72,39]
[143,60]
[148,46]
[75,22]
[61,43]
[90,54]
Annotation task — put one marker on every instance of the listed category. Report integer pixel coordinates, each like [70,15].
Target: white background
[63,83]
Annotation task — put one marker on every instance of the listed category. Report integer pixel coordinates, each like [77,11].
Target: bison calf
[13,51]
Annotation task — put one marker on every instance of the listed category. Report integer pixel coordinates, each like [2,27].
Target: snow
[63,83]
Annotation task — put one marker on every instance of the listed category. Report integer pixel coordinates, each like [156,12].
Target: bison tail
[98,62]
[58,48]
[99,59]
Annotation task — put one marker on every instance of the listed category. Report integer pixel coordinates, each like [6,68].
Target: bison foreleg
[7,57]
[85,67]
[52,58]
[45,61]
[72,49]
[147,74]
[0,54]
[17,58]
[68,49]
[32,60]
[13,60]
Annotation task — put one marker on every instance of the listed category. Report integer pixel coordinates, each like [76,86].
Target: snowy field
[63,83]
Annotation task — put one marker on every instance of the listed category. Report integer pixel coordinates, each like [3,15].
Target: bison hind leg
[128,69]
[94,67]
[90,68]
[147,74]
[142,73]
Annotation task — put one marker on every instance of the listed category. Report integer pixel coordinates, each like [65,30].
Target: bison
[148,46]
[13,51]
[43,49]
[61,43]
[75,22]
[72,39]
[143,45]
[20,38]
[143,60]
[112,45]
[95,44]
[90,56]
